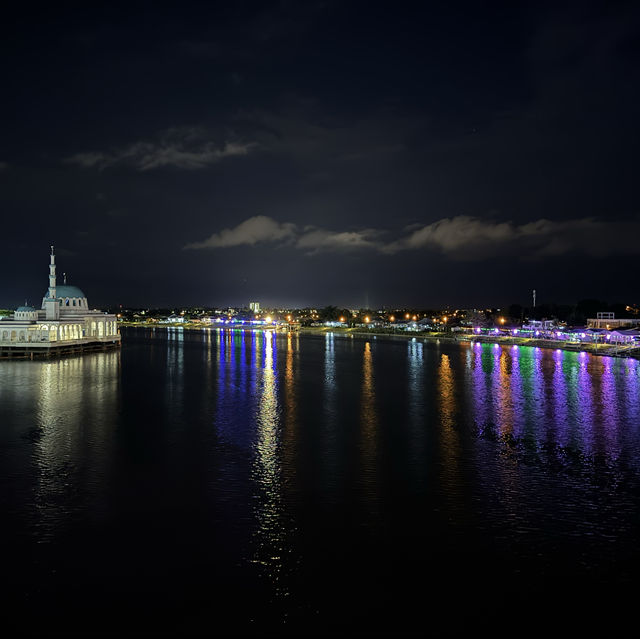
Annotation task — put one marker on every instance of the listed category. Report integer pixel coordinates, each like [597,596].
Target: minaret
[51,302]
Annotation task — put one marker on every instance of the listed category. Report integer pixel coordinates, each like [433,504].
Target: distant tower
[50,304]
[534,298]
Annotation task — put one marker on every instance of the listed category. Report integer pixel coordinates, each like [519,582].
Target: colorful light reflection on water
[293,478]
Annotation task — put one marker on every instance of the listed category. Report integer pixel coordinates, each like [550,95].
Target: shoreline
[601,350]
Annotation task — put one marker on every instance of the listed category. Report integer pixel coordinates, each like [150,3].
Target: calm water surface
[218,483]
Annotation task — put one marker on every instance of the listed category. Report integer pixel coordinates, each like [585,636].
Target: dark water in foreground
[218,483]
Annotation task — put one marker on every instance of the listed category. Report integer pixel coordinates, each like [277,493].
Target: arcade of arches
[59,332]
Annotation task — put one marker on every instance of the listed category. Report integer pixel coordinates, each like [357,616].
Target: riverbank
[605,350]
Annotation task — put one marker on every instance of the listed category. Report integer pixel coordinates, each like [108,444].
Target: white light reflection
[174,387]
[73,451]
[269,536]
[329,458]
[416,408]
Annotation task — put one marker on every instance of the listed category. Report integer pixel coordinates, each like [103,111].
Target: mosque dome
[65,290]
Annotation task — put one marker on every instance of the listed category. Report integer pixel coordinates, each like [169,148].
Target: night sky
[317,153]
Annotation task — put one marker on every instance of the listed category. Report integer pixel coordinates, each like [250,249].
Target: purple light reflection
[582,399]
[559,392]
[608,408]
[478,388]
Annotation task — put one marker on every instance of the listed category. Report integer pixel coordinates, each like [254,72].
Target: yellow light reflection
[291,410]
[449,438]
[369,426]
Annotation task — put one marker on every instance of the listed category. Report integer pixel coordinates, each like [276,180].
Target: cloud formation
[255,230]
[262,229]
[462,238]
[183,148]
[314,240]
[471,238]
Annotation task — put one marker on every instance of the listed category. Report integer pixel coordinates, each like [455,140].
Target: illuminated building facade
[64,320]
[609,321]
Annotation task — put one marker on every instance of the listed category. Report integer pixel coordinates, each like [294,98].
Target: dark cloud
[182,148]
[468,238]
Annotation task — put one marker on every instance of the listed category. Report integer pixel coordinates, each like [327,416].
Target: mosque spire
[50,302]
[52,275]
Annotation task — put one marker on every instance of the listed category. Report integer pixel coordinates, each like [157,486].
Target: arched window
[66,302]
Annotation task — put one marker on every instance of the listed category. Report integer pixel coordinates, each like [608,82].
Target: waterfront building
[63,323]
[625,336]
[540,325]
[608,320]
[254,307]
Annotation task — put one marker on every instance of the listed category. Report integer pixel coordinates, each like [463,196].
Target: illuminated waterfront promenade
[594,347]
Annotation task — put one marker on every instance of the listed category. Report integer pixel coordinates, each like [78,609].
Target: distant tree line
[573,314]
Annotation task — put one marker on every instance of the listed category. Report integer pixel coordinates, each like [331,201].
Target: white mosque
[63,323]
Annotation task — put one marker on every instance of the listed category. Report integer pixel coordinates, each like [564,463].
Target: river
[221,483]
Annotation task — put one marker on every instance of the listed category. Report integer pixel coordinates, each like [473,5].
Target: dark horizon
[305,154]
